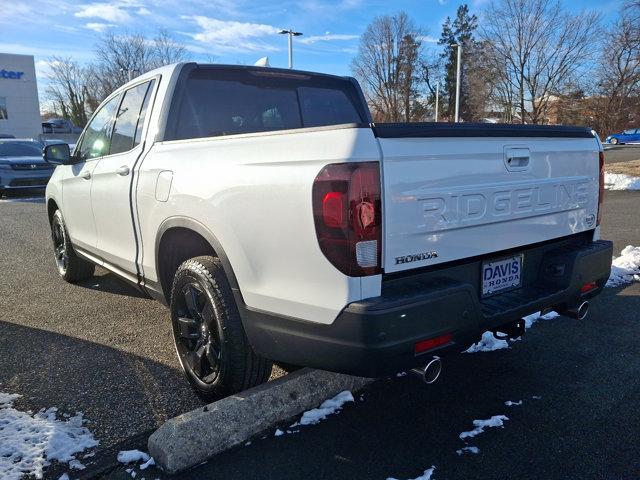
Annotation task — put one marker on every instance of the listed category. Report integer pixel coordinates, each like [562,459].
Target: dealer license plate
[501,275]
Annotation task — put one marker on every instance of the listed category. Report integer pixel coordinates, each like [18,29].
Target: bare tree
[75,91]
[618,88]
[387,66]
[120,57]
[67,89]
[539,47]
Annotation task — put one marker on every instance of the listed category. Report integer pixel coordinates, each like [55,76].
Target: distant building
[19,105]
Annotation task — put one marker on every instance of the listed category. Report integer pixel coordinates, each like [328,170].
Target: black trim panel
[431,129]
[203,231]
[377,336]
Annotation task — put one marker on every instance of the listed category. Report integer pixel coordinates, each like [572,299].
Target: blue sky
[227,31]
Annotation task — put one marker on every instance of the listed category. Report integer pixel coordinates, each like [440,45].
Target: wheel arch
[52,206]
[194,239]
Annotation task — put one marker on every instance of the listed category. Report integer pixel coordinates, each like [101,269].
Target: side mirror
[57,154]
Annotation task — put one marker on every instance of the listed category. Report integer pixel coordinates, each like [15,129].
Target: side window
[127,129]
[95,141]
[630,131]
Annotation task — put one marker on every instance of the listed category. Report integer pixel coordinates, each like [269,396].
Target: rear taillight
[587,287]
[348,218]
[601,189]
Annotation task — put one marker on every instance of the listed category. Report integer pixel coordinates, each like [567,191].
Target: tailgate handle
[517,159]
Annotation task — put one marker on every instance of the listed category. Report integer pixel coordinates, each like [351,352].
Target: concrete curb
[198,435]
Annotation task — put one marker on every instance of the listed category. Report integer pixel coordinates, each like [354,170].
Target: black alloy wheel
[198,339]
[210,340]
[70,266]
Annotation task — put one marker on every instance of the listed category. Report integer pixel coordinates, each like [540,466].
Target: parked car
[277,222]
[631,135]
[59,125]
[7,135]
[22,166]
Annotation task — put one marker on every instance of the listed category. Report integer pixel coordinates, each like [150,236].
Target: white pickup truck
[280,224]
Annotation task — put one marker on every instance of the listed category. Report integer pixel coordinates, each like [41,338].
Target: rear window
[217,102]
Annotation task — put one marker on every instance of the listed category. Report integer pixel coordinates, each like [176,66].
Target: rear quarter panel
[253,192]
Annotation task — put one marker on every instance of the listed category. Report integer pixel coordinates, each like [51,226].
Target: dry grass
[628,168]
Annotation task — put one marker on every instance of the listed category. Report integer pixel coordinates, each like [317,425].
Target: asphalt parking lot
[102,349]
[621,153]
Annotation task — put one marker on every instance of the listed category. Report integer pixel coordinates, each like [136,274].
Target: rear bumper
[377,336]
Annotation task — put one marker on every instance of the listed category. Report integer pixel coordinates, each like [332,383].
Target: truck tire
[70,266]
[210,340]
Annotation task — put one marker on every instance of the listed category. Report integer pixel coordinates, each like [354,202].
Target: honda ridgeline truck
[279,223]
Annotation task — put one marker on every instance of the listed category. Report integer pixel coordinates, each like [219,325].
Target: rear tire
[70,266]
[210,341]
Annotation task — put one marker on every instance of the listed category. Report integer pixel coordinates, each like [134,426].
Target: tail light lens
[601,189]
[347,215]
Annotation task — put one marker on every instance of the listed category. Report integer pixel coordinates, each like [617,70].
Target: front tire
[212,346]
[70,266]
[613,141]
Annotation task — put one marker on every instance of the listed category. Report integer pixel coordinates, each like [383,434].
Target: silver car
[22,166]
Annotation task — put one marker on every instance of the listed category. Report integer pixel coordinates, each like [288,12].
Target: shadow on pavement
[108,282]
[121,394]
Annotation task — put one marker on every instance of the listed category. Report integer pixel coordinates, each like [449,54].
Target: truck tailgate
[451,197]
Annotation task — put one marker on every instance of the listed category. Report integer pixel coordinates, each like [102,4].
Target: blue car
[22,166]
[632,135]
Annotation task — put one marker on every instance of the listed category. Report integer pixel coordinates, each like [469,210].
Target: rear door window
[216,102]
[130,118]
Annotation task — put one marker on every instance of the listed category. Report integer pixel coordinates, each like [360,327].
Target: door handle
[123,170]
[86,175]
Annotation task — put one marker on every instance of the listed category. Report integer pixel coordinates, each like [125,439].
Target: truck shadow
[108,282]
[121,394]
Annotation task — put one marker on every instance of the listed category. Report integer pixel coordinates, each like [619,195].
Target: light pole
[291,34]
[458,80]
[437,99]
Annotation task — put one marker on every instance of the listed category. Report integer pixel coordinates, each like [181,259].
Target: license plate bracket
[501,275]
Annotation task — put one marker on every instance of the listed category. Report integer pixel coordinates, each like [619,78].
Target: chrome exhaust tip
[430,372]
[578,311]
[583,310]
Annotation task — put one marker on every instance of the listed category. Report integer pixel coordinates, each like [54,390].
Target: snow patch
[463,450]
[509,403]
[130,456]
[625,268]
[278,433]
[76,465]
[147,464]
[620,181]
[425,476]
[30,442]
[489,343]
[328,407]
[480,425]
